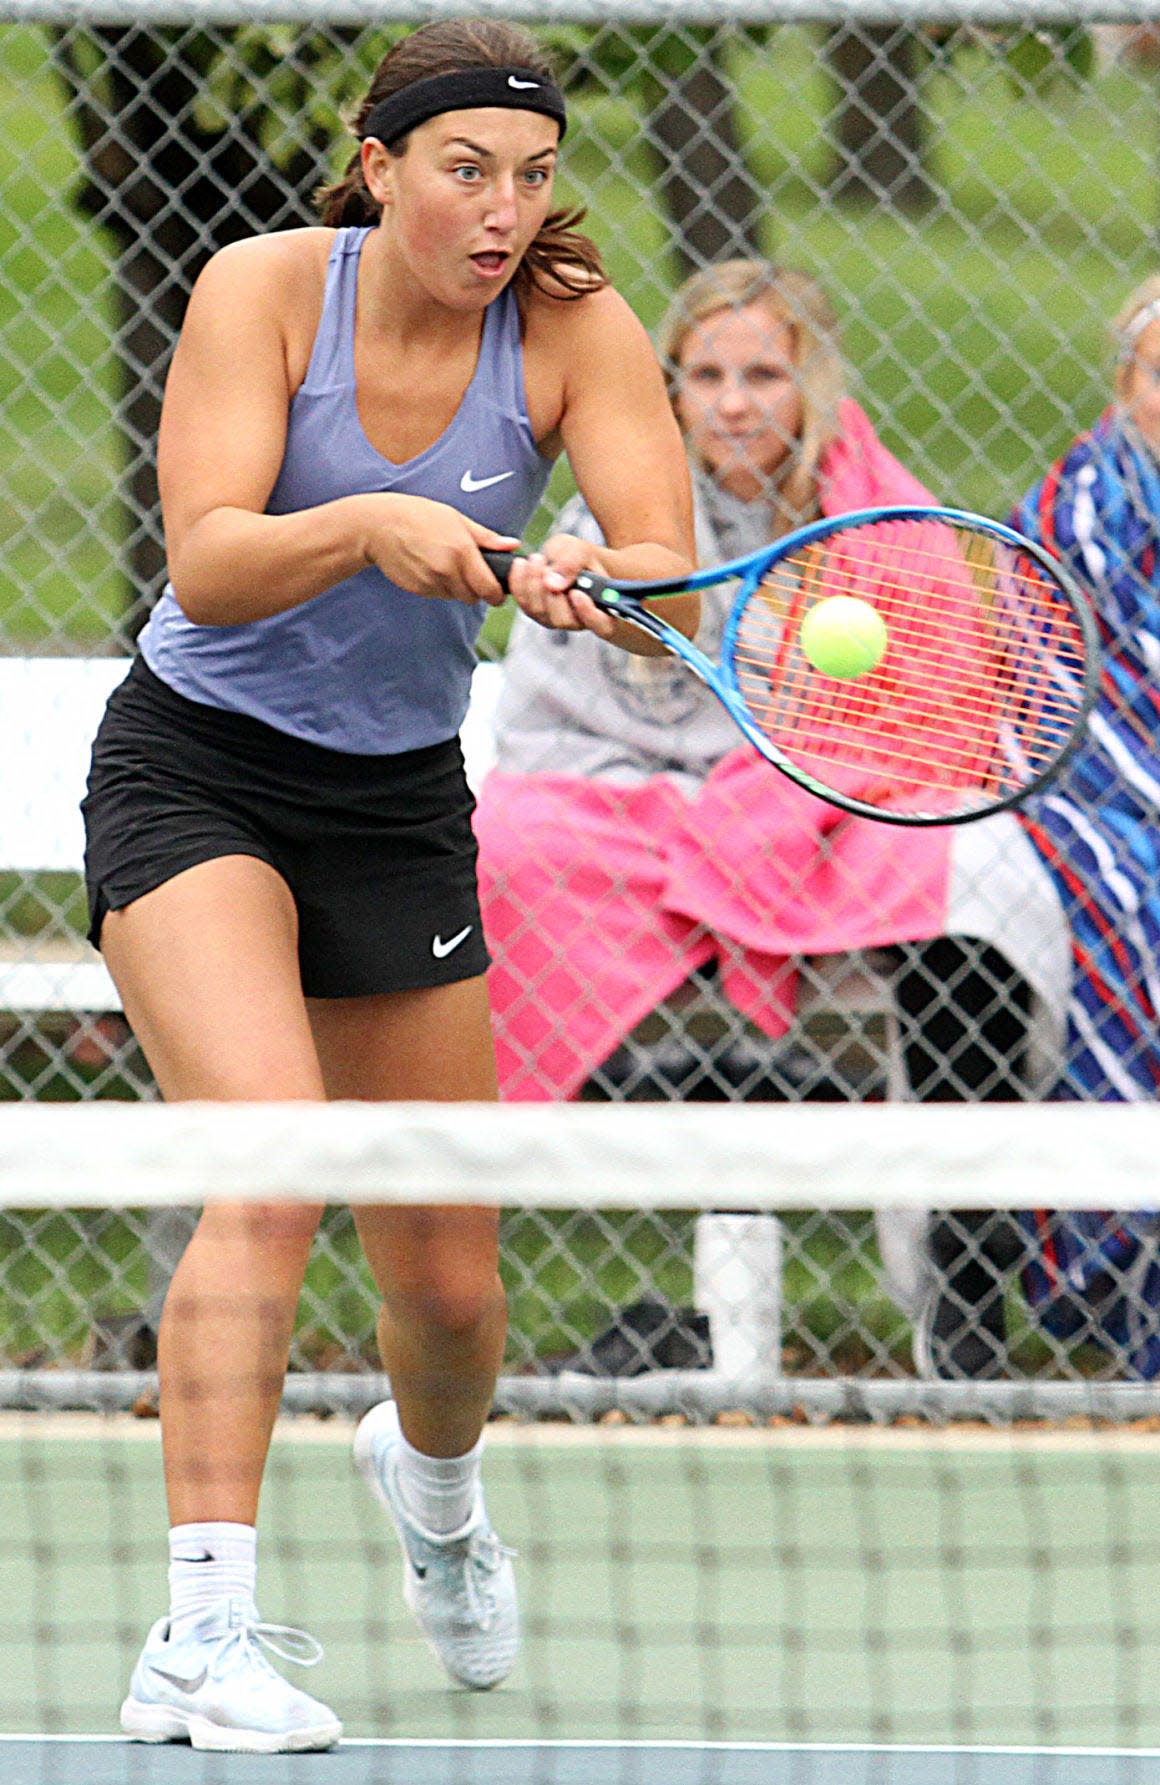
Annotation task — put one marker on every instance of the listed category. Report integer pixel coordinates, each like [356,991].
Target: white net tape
[583,1156]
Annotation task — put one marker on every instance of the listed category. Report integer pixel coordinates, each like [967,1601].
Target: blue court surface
[33,1760]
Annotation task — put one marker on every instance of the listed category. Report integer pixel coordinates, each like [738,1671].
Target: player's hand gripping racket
[982,654]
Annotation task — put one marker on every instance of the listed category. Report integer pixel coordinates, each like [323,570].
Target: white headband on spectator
[1131,333]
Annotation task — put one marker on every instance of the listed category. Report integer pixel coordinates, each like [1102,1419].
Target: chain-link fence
[977,199]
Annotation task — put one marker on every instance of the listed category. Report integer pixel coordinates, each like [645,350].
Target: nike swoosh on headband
[468,483]
[512,82]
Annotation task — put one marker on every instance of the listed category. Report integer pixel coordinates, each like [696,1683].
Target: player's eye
[468,172]
[537,177]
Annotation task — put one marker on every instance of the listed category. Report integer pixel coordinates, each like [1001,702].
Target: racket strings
[1032,700]
[983,681]
[996,590]
[953,729]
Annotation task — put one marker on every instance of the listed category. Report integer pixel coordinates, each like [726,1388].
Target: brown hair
[790,297]
[560,261]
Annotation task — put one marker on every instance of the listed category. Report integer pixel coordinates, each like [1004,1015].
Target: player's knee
[455,1299]
[228,1226]
[286,1226]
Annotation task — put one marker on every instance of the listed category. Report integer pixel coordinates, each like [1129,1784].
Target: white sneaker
[461,1588]
[216,1689]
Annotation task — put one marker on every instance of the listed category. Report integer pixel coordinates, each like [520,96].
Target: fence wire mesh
[977,199]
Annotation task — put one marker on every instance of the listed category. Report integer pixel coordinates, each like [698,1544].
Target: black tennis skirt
[378,851]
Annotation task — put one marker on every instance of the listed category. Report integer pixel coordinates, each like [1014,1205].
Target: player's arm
[223,434]
[626,452]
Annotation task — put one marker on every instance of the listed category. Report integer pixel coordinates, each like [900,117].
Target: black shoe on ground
[647,1335]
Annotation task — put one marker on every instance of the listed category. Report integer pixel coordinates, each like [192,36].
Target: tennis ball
[843,637]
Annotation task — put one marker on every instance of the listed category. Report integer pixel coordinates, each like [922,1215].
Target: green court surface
[722,1586]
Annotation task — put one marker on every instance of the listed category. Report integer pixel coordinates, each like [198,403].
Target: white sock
[439,1492]
[208,1562]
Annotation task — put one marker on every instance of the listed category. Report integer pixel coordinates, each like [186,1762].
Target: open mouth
[491,263]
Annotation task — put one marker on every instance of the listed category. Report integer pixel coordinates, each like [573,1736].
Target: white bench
[49,712]
[50,708]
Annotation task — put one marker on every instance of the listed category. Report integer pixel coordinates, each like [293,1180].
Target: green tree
[691,122]
[189,141]
[682,82]
[879,131]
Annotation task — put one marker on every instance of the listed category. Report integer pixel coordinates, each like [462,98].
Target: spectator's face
[1142,386]
[736,397]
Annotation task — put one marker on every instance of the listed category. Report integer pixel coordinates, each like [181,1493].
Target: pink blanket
[599,900]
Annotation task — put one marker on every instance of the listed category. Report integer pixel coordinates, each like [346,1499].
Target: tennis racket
[989,672]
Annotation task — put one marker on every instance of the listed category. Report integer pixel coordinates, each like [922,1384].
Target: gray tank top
[365,666]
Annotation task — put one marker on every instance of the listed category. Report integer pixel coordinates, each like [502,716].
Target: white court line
[504,1434]
[576,1745]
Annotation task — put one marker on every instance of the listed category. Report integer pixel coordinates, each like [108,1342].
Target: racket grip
[499,563]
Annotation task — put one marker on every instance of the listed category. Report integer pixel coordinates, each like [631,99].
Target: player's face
[1141,396]
[467,197]
[737,399]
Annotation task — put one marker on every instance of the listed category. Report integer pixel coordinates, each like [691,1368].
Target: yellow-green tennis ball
[844,637]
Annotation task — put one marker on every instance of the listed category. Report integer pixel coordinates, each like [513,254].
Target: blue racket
[987,670]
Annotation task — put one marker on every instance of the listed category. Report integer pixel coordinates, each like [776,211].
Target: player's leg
[442,1327]
[441,1332]
[207,969]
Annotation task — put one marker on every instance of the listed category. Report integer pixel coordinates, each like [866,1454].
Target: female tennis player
[280,863]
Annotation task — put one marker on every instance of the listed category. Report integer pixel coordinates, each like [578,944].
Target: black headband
[518,89]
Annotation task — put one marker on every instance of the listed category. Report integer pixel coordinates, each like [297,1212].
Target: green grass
[563,1273]
[977,331]
[38,904]
[59,517]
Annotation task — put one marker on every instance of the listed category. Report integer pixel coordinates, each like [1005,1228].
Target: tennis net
[908,1572]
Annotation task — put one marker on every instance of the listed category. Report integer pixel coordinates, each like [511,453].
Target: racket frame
[625,600]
